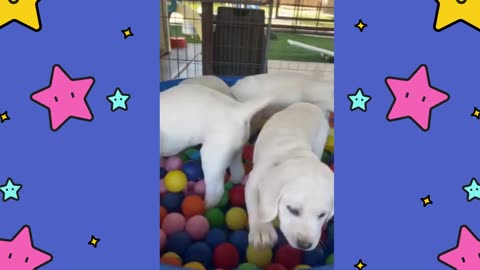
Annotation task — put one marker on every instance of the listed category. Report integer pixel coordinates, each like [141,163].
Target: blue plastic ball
[163,172]
[172,201]
[215,237]
[193,170]
[198,252]
[194,154]
[280,237]
[314,257]
[239,239]
[331,159]
[178,242]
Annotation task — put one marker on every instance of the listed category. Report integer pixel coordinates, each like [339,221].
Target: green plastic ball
[247,266]
[326,156]
[215,218]
[224,201]
[228,186]
[329,260]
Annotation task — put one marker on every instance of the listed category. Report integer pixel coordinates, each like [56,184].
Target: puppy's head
[304,207]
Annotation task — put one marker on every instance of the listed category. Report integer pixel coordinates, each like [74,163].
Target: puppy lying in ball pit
[289,180]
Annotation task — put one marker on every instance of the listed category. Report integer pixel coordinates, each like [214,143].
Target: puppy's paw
[213,195]
[237,172]
[262,235]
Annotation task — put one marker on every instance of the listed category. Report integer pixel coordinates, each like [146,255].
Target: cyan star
[119,100]
[473,190]
[359,100]
[10,190]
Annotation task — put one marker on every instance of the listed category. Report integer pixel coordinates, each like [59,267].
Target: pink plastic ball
[163,161]
[197,227]
[173,163]
[163,189]
[199,188]
[189,190]
[163,239]
[173,222]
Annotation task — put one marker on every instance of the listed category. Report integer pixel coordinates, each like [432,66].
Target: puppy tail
[250,108]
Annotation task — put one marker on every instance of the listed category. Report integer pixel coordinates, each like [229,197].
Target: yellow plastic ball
[236,218]
[302,266]
[175,181]
[171,255]
[261,257]
[330,141]
[194,266]
[276,222]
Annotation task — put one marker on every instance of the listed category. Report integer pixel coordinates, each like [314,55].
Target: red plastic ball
[288,256]
[331,167]
[248,152]
[237,196]
[275,266]
[225,256]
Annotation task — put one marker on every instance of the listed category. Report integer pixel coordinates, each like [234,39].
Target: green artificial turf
[280,49]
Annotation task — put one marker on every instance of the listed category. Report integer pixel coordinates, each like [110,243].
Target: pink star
[65,98]
[414,98]
[20,254]
[466,255]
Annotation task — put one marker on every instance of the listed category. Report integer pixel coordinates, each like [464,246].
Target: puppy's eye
[321,216]
[293,211]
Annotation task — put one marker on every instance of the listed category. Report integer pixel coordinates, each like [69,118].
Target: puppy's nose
[304,244]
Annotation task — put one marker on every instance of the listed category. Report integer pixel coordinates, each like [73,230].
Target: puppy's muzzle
[304,244]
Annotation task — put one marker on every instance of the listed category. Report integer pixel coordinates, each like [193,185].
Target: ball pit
[193,237]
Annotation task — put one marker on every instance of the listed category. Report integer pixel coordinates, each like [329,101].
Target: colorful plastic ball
[163,213]
[247,266]
[240,240]
[215,217]
[248,167]
[171,258]
[288,256]
[236,218]
[173,163]
[276,222]
[330,143]
[228,186]
[172,223]
[194,266]
[163,161]
[163,188]
[260,257]
[175,181]
[198,252]
[330,259]
[199,188]
[275,266]
[172,201]
[189,189]
[326,157]
[280,237]
[332,158]
[224,201]
[193,170]
[192,153]
[226,256]
[197,227]
[193,205]
[314,257]
[178,242]
[163,172]
[244,180]
[163,240]
[332,167]
[248,152]
[302,266]
[237,196]
[215,237]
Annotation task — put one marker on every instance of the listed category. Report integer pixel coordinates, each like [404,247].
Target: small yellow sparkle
[4,117]
[361,25]
[94,241]
[426,201]
[127,33]
[476,113]
[360,265]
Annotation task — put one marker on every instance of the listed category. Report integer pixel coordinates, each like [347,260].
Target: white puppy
[194,114]
[211,82]
[287,88]
[289,180]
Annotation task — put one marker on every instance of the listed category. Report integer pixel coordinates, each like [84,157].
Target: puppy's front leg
[261,234]
[214,164]
[237,171]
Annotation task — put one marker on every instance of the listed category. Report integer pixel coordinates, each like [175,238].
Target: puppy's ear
[271,192]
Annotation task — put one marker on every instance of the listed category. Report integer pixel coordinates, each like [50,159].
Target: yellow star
[449,12]
[426,201]
[127,33]
[476,113]
[360,265]
[361,25]
[4,117]
[22,11]
[94,241]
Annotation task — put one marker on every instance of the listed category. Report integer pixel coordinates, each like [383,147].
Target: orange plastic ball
[171,259]
[163,213]
[193,205]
